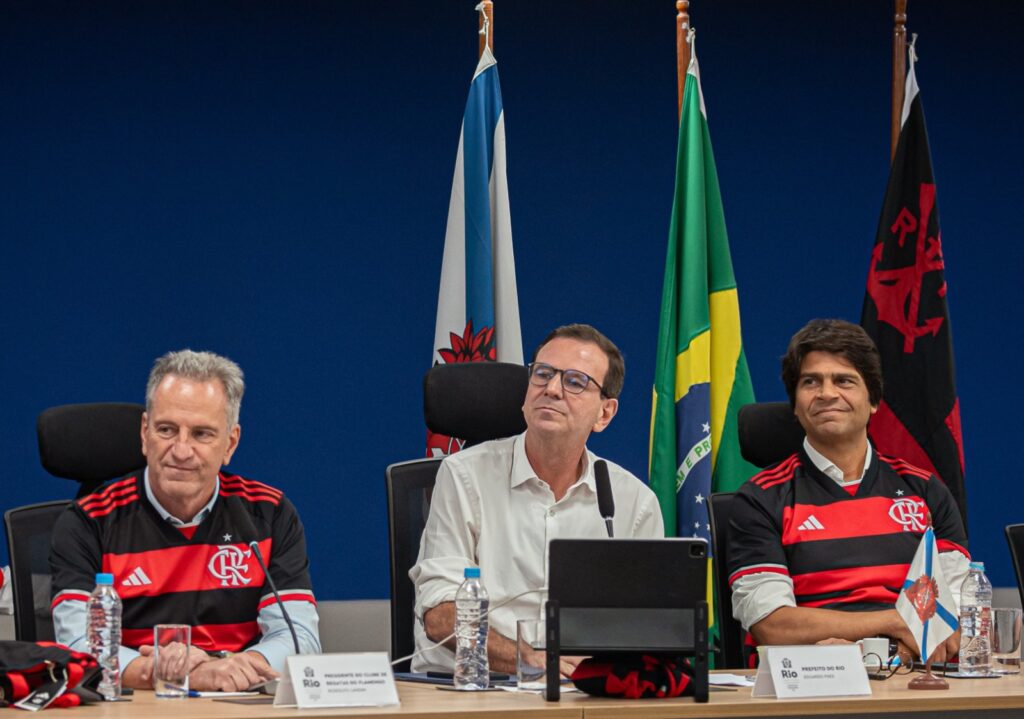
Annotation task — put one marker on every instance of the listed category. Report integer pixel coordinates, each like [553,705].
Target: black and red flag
[905,312]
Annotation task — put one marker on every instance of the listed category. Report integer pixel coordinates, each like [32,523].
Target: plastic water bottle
[472,671]
[104,635]
[976,623]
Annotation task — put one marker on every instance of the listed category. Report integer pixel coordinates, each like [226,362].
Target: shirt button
[551,513]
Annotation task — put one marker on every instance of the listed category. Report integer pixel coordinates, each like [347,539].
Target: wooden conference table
[1003,697]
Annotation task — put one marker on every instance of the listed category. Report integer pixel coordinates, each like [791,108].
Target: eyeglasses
[573,380]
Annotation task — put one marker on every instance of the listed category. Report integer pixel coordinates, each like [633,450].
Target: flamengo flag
[905,313]
[478,306]
[701,378]
[926,603]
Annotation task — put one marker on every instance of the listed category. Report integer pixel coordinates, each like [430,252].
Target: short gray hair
[200,367]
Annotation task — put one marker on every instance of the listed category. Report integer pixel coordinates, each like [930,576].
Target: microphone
[255,547]
[605,501]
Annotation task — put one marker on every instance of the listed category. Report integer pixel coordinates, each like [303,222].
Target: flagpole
[486,9]
[682,47]
[899,73]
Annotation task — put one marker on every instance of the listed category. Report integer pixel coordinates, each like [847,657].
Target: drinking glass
[1006,625]
[530,654]
[170,660]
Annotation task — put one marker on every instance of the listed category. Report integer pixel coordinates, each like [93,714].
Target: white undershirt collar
[830,470]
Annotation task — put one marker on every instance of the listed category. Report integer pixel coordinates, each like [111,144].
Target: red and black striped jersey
[842,551]
[210,580]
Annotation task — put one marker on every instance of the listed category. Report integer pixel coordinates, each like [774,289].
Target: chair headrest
[769,432]
[91,442]
[475,401]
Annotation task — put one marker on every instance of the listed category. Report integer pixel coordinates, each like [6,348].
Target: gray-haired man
[176,536]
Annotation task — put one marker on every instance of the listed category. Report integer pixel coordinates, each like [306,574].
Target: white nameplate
[337,680]
[832,670]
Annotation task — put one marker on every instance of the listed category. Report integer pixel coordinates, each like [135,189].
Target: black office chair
[476,402]
[409,486]
[730,633]
[28,541]
[87,443]
[1015,538]
[769,432]
[91,443]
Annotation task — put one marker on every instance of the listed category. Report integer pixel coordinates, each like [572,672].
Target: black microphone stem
[284,612]
[605,499]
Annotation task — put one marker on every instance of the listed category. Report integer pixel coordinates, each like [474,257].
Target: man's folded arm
[439,623]
[446,549]
[276,642]
[69,625]
[762,591]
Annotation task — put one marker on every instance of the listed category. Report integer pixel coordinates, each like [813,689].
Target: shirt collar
[170,518]
[523,471]
[829,469]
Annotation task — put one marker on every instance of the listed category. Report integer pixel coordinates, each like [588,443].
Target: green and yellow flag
[701,378]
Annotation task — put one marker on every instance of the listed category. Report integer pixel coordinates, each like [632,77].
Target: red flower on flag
[923,595]
[470,347]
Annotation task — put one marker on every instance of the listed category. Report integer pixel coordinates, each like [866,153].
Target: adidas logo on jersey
[137,578]
[811,523]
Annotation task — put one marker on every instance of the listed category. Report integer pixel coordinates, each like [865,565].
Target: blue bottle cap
[980,566]
[105,578]
[472,573]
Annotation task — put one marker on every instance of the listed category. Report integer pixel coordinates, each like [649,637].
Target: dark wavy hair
[837,337]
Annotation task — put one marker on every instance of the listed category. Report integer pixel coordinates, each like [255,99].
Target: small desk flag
[926,602]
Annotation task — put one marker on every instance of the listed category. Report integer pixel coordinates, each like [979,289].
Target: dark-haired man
[498,504]
[819,545]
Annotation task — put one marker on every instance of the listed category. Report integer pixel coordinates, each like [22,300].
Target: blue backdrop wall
[270,180]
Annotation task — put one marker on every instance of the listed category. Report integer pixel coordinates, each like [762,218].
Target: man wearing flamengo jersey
[176,537]
[820,544]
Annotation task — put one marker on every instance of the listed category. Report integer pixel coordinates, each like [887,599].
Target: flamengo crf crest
[909,513]
[897,292]
[229,565]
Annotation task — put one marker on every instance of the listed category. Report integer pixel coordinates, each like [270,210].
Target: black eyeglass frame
[561,378]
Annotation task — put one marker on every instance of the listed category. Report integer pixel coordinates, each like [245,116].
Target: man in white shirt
[498,504]
[819,544]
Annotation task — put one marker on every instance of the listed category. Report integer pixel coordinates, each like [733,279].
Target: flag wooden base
[927,680]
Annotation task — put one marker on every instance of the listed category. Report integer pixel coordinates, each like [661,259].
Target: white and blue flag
[478,304]
[926,602]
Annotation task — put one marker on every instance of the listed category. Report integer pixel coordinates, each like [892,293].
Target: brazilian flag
[701,378]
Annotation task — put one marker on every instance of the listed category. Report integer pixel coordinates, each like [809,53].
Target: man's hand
[233,674]
[139,672]
[953,645]
[808,625]
[567,665]
[538,658]
[196,656]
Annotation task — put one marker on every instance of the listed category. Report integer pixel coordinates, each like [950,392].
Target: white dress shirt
[491,510]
